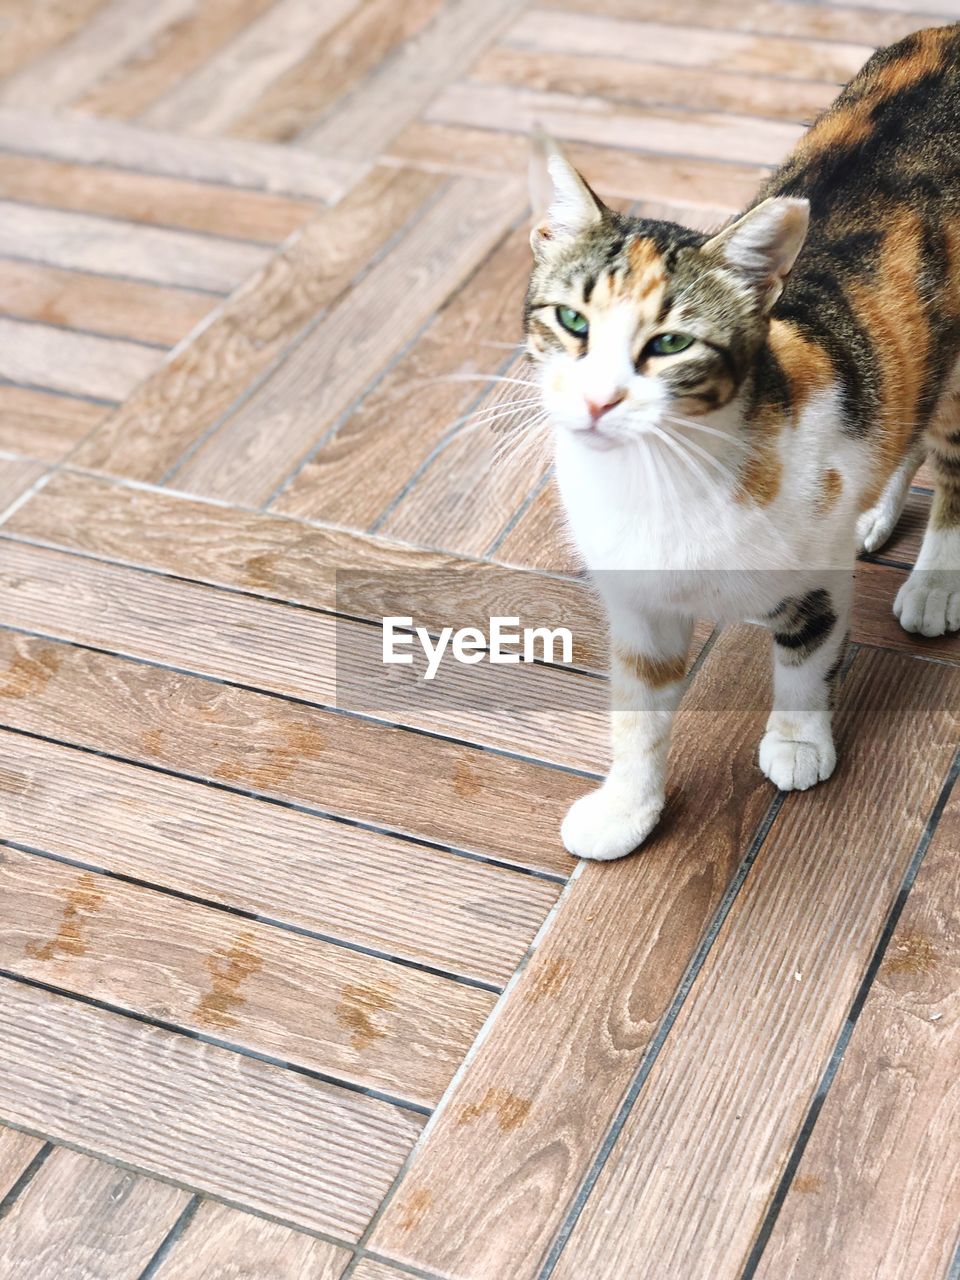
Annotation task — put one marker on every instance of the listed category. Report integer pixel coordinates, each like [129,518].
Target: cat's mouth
[598,437]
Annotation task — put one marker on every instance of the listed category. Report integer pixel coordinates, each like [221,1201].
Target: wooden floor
[296,979]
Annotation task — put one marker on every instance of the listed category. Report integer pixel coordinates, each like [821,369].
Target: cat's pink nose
[597,411]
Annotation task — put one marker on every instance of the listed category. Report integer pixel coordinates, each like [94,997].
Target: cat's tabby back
[735,414]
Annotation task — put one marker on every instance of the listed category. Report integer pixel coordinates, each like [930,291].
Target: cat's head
[633,320]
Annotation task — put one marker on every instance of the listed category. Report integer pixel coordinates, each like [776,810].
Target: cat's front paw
[795,763]
[928,603]
[608,823]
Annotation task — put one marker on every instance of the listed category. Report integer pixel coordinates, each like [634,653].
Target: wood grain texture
[303,1151]
[650,84]
[81,1217]
[873,621]
[397,92]
[877,1192]
[540,539]
[535,1101]
[552,715]
[236,162]
[76,363]
[16,1151]
[701,134]
[369,1269]
[904,543]
[480,476]
[264,441]
[344,882]
[813,905]
[551,31]
[205,101]
[630,174]
[113,32]
[88,243]
[151,198]
[50,23]
[251,331]
[925,477]
[409,783]
[362,575]
[16,476]
[135,84]
[44,425]
[817,22]
[223,1244]
[366,1021]
[98,304]
[332,67]
[421,401]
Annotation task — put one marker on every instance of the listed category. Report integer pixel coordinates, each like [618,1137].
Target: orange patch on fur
[642,255]
[926,59]
[806,365]
[656,673]
[852,122]
[760,480]
[844,127]
[831,486]
[891,310]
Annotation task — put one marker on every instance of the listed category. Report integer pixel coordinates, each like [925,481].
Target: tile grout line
[56,394]
[229,588]
[137,223]
[293,700]
[453,432]
[118,1162]
[319,202]
[954,1272]
[297,806]
[471,1053]
[343,417]
[217,1042]
[26,1177]
[170,1239]
[307,329]
[846,1032]
[256,917]
[681,27]
[59,327]
[519,513]
[653,1050]
[123,278]
[685,986]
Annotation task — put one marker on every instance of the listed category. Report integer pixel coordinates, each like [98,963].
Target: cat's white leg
[929,600]
[875,526]
[646,678]
[810,632]
[928,603]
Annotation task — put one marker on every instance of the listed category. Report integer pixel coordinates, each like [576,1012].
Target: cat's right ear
[563,204]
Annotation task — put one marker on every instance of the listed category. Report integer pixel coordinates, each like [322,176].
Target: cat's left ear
[563,204]
[764,243]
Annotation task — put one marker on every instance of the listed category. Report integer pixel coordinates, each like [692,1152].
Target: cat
[734,416]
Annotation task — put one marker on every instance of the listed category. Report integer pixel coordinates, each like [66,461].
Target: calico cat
[734,415]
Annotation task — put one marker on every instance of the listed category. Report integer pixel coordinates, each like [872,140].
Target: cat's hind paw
[795,764]
[608,824]
[928,603]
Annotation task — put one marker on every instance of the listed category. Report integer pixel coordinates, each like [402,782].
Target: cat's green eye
[573,321]
[670,344]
